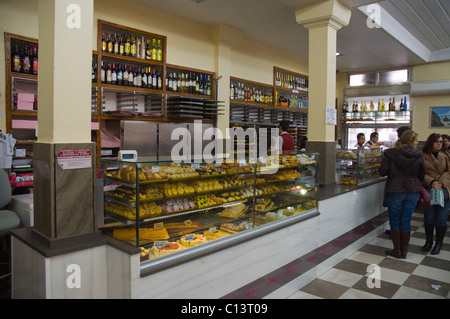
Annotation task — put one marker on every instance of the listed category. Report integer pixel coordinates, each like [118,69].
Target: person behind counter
[373,141]
[405,171]
[361,139]
[437,176]
[287,144]
[400,131]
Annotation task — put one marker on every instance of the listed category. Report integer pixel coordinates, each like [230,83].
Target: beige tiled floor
[410,278]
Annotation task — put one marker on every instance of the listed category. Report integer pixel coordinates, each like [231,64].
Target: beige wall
[422,104]
[189,44]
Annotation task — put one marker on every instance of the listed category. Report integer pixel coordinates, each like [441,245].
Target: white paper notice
[75,159]
[331,116]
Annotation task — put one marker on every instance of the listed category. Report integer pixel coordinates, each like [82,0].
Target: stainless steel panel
[166,143]
[142,137]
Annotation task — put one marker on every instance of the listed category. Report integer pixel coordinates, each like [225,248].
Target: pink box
[23,105]
[25,97]
[24,124]
[95,126]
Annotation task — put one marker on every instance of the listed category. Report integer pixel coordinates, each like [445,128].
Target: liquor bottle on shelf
[93,71]
[154,50]
[116,44]
[36,61]
[372,107]
[133,46]
[390,104]
[405,106]
[393,104]
[383,106]
[143,49]
[208,85]
[110,47]
[401,104]
[121,46]
[139,78]
[26,62]
[127,45]
[104,42]
[159,51]
[17,60]
[138,47]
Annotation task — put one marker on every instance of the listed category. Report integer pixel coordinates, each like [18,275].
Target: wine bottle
[155,79]
[108,74]
[148,53]
[143,48]
[113,74]
[170,86]
[102,73]
[174,82]
[130,76]
[119,74]
[405,106]
[125,75]
[178,82]
[139,78]
[159,80]
[401,104]
[144,77]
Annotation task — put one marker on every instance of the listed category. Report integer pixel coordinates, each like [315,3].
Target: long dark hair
[428,146]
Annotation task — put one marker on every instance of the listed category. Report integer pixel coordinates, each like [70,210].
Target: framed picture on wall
[440,116]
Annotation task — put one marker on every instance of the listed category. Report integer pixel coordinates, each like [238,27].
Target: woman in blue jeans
[437,176]
[404,168]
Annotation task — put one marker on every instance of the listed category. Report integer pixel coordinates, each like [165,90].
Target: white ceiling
[412,31]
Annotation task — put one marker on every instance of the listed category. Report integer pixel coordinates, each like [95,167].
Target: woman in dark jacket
[404,168]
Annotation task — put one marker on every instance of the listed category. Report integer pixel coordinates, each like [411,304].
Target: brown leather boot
[404,242]
[395,234]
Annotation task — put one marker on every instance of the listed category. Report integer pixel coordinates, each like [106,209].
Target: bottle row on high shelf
[291,100]
[189,82]
[128,75]
[291,82]
[243,93]
[24,58]
[379,107]
[133,46]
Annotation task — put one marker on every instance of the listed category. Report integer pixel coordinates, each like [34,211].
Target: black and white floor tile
[419,276]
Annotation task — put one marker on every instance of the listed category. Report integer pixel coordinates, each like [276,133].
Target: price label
[155,168]
[242,162]
[160,244]
[189,237]
[212,229]
[195,165]
[158,225]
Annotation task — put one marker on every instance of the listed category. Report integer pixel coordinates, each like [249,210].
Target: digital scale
[129,156]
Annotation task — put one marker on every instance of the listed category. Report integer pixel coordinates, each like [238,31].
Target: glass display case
[164,207]
[357,167]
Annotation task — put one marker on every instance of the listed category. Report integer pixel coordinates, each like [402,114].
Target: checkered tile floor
[410,278]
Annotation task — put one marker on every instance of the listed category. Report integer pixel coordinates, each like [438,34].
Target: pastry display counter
[357,167]
[164,208]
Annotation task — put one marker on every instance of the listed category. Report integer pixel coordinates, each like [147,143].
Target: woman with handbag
[437,179]
[404,168]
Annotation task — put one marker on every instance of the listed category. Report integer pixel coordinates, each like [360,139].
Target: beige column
[323,20]
[224,38]
[64,161]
